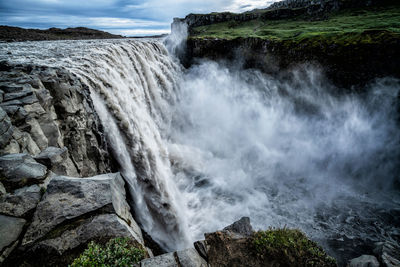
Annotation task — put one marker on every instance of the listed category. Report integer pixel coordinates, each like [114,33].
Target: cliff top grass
[340,26]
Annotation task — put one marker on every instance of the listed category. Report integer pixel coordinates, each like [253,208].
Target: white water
[204,146]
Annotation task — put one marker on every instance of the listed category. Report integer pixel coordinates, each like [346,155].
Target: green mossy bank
[353,45]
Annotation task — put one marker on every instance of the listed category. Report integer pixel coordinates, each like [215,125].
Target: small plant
[116,252]
[289,247]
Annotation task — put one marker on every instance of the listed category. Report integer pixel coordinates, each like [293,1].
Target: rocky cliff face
[48,128]
[346,65]
[44,108]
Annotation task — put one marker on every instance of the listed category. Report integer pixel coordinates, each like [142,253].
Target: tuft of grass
[289,247]
[117,252]
[345,24]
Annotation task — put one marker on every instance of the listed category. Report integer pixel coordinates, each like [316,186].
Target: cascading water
[204,146]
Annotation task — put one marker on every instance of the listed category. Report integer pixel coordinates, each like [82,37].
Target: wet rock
[17,95]
[6,128]
[388,253]
[57,160]
[72,199]
[18,170]
[21,201]
[3,191]
[190,258]
[202,248]
[10,229]
[27,145]
[164,260]
[37,134]
[241,227]
[65,247]
[364,261]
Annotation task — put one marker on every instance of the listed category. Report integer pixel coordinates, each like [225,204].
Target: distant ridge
[16,34]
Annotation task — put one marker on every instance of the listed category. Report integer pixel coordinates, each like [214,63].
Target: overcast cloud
[126,17]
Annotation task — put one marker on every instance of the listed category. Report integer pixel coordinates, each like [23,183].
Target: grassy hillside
[354,25]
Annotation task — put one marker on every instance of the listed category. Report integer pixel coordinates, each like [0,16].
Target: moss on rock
[289,247]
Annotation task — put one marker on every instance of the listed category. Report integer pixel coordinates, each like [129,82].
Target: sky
[125,17]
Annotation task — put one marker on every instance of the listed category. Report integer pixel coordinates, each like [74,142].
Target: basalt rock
[18,170]
[43,109]
[72,213]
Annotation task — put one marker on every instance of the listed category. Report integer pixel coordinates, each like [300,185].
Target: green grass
[347,23]
[289,247]
[117,252]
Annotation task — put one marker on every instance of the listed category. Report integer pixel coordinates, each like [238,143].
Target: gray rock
[6,128]
[17,95]
[364,261]
[58,161]
[190,258]
[164,260]
[11,148]
[241,227]
[37,133]
[101,227]
[21,201]
[201,248]
[20,169]
[3,191]
[389,253]
[27,145]
[10,88]
[68,199]
[10,229]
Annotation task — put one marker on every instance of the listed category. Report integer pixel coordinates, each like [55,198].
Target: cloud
[127,17]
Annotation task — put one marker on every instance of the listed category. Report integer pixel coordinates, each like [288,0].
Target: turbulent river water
[204,146]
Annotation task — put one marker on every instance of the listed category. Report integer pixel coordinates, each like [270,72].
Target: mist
[289,152]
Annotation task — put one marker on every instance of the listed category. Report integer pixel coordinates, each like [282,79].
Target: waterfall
[203,146]
[133,85]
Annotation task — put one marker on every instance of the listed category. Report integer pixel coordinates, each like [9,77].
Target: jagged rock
[190,258]
[389,253]
[58,161]
[6,128]
[63,248]
[241,227]
[18,170]
[48,106]
[17,95]
[164,260]
[21,201]
[71,199]
[202,248]
[3,191]
[364,261]
[183,258]
[10,229]
[37,134]
[27,145]
[11,148]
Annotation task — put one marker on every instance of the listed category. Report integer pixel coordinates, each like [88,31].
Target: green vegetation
[117,252]
[356,24]
[290,247]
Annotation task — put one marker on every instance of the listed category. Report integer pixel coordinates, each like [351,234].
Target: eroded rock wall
[42,108]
